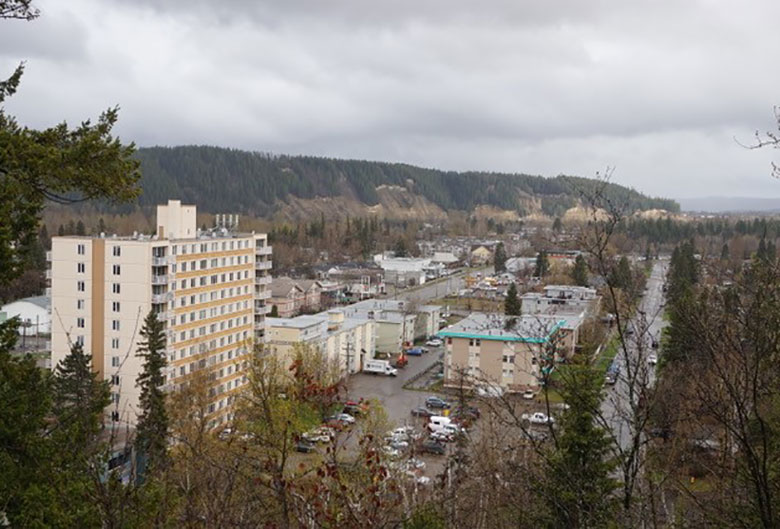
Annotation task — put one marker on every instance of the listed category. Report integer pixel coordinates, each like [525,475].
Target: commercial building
[33,313]
[487,349]
[345,342]
[208,288]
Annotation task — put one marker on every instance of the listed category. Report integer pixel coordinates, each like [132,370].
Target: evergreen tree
[499,259]
[577,488]
[80,229]
[725,255]
[512,305]
[557,225]
[274,312]
[580,271]
[102,226]
[400,247]
[152,426]
[61,231]
[542,267]
[79,397]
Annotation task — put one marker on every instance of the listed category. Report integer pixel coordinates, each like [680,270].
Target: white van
[438,422]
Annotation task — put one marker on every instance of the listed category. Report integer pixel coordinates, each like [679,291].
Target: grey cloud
[658,89]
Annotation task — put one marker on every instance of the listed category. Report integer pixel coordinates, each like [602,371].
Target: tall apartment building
[209,288]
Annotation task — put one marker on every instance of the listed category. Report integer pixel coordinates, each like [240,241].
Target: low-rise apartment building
[345,342]
[483,349]
[561,298]
[208,288]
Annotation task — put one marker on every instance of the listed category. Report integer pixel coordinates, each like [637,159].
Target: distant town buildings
[209,288]
[561,298]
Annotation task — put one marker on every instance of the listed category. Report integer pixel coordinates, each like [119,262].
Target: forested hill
[228,180]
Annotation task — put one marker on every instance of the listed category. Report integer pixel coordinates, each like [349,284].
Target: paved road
[438,289]
[647,325]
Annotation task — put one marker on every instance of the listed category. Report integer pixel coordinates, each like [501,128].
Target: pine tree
[725,255]
[499,259]
[79,397]
[512,305]
[557,225]
[152,427]
[580,271]
[274,312]
[542,267]
[80,229]
[577,488]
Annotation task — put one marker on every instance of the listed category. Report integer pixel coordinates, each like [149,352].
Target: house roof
[282,286]
[40,301]
[491,326]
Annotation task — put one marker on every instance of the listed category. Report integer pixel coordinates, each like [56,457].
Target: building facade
[208,288]
[482,350]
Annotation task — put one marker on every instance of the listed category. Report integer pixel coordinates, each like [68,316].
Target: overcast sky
[657,89]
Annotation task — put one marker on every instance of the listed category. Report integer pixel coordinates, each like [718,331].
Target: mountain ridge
[288,187]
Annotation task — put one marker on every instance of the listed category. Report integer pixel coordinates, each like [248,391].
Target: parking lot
[390,392]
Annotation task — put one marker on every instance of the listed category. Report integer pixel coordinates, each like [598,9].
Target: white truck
[379,367]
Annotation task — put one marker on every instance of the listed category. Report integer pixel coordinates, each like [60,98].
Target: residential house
[34,315]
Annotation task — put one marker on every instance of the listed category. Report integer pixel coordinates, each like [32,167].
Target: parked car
[343,418]
[438,403]
[398,444]
[529,394]
[434,342]
[432,446]
[315,437]
[652,359]
[415,351]
[390,451]
[351,409]
[423,412]
[538,418]
[305,447]
[423,480]
[414,464]
[441,436]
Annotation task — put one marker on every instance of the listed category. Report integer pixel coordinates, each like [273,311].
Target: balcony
[47,292]
[163,316]
[160,280]
[48,256]
[165,297]
[160,261]
[263,280]
[262,309]
[48,274]
[262,294]
[260,325]
[263,250]
[262,265]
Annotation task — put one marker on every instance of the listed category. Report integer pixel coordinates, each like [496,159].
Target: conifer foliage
[152,427]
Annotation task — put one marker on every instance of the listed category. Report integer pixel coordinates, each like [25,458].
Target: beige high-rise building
[208,287]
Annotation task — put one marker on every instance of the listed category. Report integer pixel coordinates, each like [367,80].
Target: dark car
[436,402]
[468,412]
[422,412]
[305,446]
[432,447]
[352,409]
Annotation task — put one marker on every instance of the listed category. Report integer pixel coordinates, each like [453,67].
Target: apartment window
[203,264]
[115,306]
[80,268]
[114,343]
[80,323]
[184,266]
[117,250]
[114,361]
[80,286]
[115,398]
[80,340]
[115,325]
[471,341]
[116,269]
[115,416]
[80,304]
[115,380]
[80,249]
[477,341]
[115,288]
